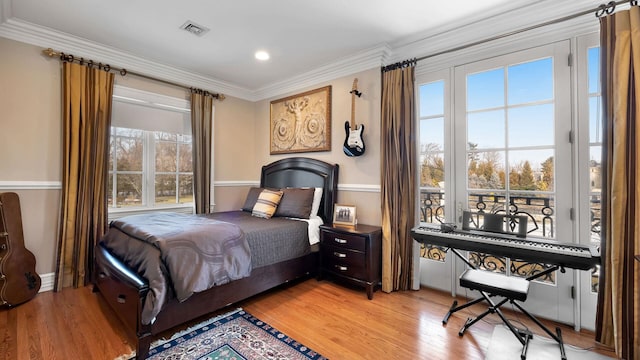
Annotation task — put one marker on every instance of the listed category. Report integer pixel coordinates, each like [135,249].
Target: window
[510,147]
[431,152]
[150,163]
[510,143]
[595,140]
[432,161]
[595,154]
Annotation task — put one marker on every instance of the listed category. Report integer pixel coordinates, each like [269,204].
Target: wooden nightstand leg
[370,291]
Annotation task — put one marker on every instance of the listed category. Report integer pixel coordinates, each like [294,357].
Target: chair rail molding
[359,188]
[30,185]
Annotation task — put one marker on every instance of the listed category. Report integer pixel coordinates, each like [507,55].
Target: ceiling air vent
[194,28]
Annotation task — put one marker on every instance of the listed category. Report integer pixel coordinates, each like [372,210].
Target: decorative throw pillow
[267,203]
[296,203]
[252,197]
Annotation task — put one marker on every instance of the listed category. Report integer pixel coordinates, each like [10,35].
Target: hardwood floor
[337,321]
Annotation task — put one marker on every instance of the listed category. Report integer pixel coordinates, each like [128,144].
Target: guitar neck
[353,110]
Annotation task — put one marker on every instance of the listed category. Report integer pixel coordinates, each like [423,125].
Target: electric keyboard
[569,255]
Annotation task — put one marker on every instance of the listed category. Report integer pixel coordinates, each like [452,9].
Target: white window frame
[588,300]
[162,102]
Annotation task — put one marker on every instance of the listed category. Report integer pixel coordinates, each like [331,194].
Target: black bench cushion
[495,284]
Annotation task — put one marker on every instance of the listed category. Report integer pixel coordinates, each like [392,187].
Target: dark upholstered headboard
[304,172]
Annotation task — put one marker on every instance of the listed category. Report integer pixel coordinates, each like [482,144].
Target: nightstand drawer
[344,241]
[354,271]
[343,256]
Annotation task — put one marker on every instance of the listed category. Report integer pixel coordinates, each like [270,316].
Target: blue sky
[507,108]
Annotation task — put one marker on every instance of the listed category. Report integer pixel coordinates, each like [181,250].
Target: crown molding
[414,47]
[33,34]
[22,31]
[364,60]
[5,10]
[505,23]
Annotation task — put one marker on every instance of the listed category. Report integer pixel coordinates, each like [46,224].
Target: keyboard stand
[512,289]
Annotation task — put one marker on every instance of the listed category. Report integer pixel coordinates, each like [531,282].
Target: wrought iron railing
[539,211]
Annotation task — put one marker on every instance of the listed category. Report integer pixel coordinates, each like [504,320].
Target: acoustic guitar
[19,281]
[353,143]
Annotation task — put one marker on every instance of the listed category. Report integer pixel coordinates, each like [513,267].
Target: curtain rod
[599,11]
[106,67]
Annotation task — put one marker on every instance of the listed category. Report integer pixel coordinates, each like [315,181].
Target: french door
[513,155]
[506,148]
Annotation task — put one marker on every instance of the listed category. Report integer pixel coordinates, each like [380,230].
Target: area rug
[237,335]
[505,346]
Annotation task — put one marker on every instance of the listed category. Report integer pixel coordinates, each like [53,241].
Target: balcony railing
[541,223]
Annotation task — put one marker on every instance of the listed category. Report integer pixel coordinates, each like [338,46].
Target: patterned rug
[234,336]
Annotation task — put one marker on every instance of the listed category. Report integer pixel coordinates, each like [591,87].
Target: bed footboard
[125,292]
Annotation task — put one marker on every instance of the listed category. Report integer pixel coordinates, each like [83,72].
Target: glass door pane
[434,123]
[511,114]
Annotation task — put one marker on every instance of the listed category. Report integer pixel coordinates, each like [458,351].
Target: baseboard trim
[47,281]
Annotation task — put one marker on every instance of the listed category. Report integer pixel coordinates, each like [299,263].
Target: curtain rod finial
[221,97]
[49,52]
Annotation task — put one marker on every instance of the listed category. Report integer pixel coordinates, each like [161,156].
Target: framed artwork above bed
[302,122]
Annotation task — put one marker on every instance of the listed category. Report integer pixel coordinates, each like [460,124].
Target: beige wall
[30,143]
[30,113]
[357,174]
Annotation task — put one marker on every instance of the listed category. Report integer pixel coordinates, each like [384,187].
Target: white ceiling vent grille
[194,28]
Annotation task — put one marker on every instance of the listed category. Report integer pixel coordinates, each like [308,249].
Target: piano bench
[495,284]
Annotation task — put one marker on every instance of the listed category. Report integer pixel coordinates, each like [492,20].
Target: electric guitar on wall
[353,143]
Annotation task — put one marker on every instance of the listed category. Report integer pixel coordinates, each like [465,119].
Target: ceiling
[301,36]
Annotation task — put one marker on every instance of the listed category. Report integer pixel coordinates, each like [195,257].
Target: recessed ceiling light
[262,55]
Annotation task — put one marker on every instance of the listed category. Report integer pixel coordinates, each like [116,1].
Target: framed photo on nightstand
[344,215]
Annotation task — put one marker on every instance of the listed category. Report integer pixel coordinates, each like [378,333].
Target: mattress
[270,240]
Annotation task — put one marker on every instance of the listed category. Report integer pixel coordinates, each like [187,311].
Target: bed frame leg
[142,350]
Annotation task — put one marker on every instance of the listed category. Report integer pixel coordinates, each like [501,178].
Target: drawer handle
[340,255]
[340,241]
[122,299]
[341,268]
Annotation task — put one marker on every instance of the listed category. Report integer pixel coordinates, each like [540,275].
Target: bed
[126,291]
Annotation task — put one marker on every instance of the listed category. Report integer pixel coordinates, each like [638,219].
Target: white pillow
[315,206]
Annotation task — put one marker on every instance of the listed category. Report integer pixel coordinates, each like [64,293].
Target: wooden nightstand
[352,254]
